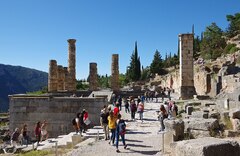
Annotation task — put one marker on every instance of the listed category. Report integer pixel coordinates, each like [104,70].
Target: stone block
[76,139]
[177,127]
[199,133]
[201,124]
[207,146]
[235,114]
[200,114]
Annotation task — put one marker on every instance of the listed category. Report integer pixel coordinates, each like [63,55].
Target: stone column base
[187,92]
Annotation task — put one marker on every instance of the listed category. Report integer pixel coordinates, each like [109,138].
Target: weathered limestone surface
[72,64]
[58,111]
[93,79]
[52,76]
[115,73]
[187,89]
[206,147]
[177,127]
[200,124]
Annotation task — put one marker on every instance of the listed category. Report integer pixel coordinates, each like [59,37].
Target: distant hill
[17,80]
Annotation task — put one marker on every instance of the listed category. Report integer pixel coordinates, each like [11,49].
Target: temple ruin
[187,89]
[115,73]
[63,78]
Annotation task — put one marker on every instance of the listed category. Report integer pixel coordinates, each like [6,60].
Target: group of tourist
[111,121]
[81,122]
[22,136]
[164,92]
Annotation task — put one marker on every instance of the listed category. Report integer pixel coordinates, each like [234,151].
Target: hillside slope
[17,79]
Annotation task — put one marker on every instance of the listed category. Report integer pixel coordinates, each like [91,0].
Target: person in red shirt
[116,110]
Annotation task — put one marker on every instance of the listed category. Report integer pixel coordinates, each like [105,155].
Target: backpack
[122,127]
[74,121]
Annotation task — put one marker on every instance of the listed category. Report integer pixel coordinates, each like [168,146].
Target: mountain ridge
[18,79]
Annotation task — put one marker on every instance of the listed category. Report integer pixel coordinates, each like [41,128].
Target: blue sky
[33,32]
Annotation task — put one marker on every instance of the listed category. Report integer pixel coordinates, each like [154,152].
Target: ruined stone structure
[93,78]
[115,73]
[58,111]
[187,89]
[63,78]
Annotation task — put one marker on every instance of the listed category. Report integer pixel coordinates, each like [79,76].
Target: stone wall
[58,111]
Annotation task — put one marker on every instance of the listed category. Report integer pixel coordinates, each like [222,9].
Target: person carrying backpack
[120,131]
[104,121]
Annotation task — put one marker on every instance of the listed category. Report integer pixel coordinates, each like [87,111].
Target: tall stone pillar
[72,64]
[61,78]
[187,89]
[93,79]
[67,80]
[52,76]
[115,73]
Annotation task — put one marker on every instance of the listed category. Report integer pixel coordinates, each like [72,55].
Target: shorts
[43,132]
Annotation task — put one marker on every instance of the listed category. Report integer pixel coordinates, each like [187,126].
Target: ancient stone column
[93,79]
[72,64]
[187,89]
[61,78]
[67,80]
[52,76]
[115,73]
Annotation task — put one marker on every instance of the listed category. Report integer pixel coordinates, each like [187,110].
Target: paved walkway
[142,138]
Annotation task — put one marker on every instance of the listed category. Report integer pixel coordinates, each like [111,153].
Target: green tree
[196,47]
[213,43]
[234,25]
[157,63]
[134,69]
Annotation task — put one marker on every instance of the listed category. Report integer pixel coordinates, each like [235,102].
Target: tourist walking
[104,121]
[112,126]
[120,131]
[133,108]
[15,137]
[81,121]
[140,109]
[38,132]
[25,136]
[126,105]
[120,102]
[44,132]
[162,115]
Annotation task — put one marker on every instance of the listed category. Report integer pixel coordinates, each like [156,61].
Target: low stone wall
[58,111]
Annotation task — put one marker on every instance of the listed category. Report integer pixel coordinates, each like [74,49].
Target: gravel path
[142,138]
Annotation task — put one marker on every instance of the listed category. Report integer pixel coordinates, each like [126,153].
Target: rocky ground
[142,138]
